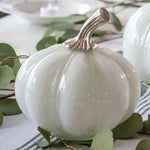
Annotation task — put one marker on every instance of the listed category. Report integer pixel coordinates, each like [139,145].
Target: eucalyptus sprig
[104,139]
[9,66]
[125,3]
[68,27]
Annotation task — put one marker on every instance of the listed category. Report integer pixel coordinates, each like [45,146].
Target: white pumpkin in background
[137,42]
[75,89]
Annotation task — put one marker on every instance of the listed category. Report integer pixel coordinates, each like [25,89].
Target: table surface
[17,130]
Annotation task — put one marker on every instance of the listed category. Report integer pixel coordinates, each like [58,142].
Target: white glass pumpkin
[75,89]
[137,42]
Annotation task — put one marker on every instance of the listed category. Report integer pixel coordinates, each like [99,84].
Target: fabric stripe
[33,144]
[27,143]
[143,106]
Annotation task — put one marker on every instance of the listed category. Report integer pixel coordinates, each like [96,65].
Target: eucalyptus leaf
[82,142]
[48,31]
[5,51]
[42,143]
[78,146]
[58,29]
[103,140]
[113,4]
[120,52]
[145,0]
[62,26]
[57,146]
[57,34]
[143,145]
[16,66]
[46,134]
[99,33]
[9,107]
[1,118]
[46,42]
[74,18]
[129,128]
[69,34]
[146,124]
[132,5]
[6,75]
[115,21]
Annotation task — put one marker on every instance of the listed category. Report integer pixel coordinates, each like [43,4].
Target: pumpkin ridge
[147,30]
[103,53]
[129,84]
[57,95]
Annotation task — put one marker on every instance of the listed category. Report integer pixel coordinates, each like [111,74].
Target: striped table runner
[143,108]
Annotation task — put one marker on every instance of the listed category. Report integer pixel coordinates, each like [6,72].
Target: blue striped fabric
[143,108]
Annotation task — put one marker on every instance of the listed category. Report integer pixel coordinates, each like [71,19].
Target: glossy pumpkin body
[74,94]
[137,42]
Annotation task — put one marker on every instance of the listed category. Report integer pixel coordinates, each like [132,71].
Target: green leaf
[6,74]
[42,143]
[114,4]
[48,32]
[6,51]
[57,34]
[82,142]
[128,128]
[60,146]
[144,145]
[46,134]
[1,118]
[120,52]
[45,43]
[16,66]
[99,33]
[74,18]
[103,140]
[58,29]
[69,34]
[115,21]
[61,26]
[57,146]
[146,124]
[78,146]
[9,107]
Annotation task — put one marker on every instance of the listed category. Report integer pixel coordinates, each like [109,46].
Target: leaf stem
[12,81]
[7,90]
[110,39]
[146,85]
[7,96]
[146,131]
[68,146]
[15,57]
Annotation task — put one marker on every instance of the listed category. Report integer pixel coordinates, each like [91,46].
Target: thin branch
[146,131]
[68,146]
[15,57]
[116,24]
[7,96]
[146,85]
[12,81]
[109,39]
[7,90]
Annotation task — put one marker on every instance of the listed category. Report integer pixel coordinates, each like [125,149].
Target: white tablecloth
[17,130]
